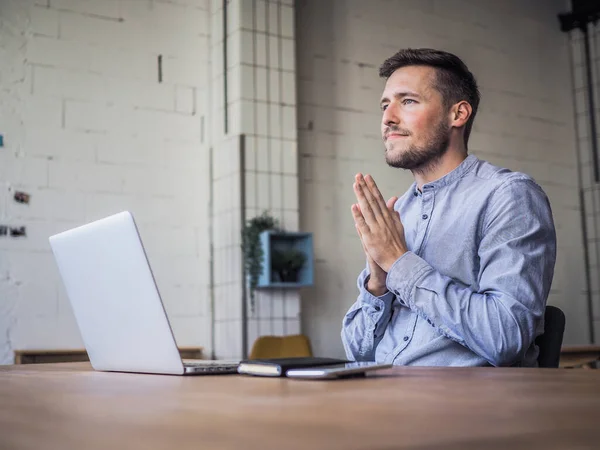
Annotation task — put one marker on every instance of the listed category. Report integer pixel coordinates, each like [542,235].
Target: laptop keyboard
[212,366]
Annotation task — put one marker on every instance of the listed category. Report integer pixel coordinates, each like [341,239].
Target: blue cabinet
[278,241]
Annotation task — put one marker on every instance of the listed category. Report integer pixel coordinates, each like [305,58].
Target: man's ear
[461,112]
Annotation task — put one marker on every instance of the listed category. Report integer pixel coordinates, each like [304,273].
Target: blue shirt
[472,289]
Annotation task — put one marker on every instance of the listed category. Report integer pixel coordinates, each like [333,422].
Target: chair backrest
[280,347]
[550,342]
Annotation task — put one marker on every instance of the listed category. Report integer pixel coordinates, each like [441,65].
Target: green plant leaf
[253,254]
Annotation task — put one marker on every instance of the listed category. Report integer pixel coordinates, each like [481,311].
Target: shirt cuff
[404,274]
[378,303]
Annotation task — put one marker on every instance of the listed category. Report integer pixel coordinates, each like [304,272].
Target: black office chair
[550,342]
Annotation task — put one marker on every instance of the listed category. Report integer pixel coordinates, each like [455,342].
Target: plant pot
[288,276]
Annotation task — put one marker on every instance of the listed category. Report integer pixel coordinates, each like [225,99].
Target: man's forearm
[367,317]
[496,326]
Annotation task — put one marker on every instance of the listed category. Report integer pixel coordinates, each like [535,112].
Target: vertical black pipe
[243,224]
[595,212]
[211,252]
[225,112]
[592,110]
[586,256]
[594,148]
[583,209]
[160,69]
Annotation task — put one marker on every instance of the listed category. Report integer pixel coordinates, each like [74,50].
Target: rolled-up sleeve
[365,322]
[516,254]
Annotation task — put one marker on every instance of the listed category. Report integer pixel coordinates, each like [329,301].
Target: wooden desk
[69,406]
[586,356]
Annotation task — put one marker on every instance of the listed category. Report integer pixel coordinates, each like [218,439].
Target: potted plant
[286,263]
[253,253]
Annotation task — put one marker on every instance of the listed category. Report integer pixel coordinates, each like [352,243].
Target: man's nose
[390,116]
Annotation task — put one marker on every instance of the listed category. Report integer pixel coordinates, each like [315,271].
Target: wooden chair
[280,347]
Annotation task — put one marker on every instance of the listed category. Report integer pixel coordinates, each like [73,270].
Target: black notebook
[276,367]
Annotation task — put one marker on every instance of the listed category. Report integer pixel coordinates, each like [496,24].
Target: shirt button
[406,338]
[415,194]
[424,216]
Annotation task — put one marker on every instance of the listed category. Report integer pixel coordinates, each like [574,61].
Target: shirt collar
[450,177]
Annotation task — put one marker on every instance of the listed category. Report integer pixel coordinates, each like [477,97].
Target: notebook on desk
[277,367]
[116,302]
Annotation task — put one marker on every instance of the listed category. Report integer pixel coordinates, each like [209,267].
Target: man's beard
[424,158]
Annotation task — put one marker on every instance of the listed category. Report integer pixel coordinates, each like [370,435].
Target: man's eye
[407,100]
[384,107]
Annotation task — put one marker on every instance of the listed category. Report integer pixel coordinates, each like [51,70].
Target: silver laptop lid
[114,297]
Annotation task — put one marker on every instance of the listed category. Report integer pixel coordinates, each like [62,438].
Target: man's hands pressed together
[380,230]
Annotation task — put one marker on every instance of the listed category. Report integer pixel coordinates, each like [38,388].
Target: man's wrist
[388,264]
[376,288]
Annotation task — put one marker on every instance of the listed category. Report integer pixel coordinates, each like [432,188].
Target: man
[458,268]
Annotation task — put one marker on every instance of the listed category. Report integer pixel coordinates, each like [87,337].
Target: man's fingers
[355,224]
[390,204]
[361,240]
[371,199]
[374,191]
[359,220]
[366,211]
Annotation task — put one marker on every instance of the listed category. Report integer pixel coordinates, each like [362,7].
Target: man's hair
[453,79]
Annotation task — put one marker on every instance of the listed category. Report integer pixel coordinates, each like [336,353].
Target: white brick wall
[590,187]
[259,33]
[525,123]
[90,131]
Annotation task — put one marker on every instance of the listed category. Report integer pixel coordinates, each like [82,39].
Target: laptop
[116,302]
